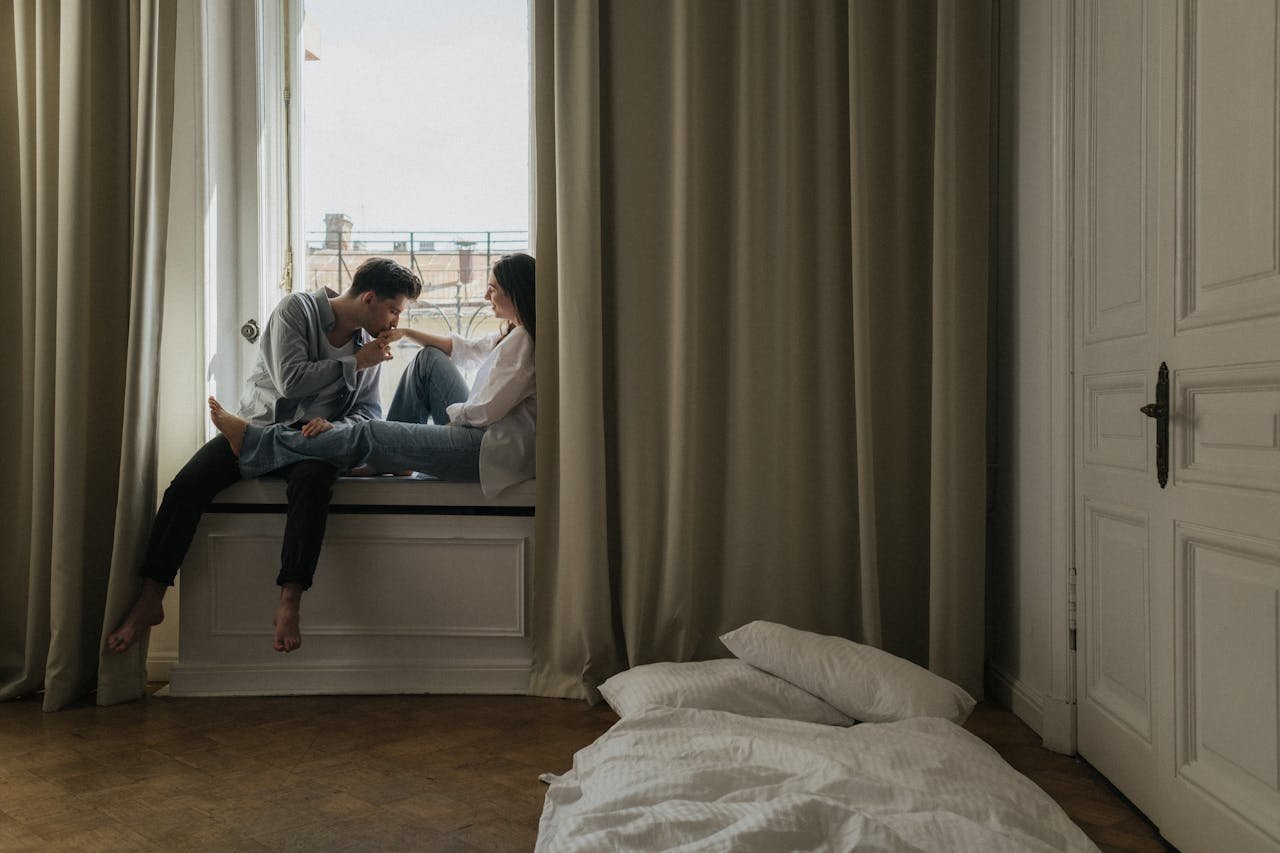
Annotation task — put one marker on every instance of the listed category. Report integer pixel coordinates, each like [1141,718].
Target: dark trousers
[211,470]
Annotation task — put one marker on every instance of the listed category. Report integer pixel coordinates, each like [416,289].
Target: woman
[482,434]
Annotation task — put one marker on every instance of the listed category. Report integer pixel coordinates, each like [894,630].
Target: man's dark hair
[515,276]
[386,278]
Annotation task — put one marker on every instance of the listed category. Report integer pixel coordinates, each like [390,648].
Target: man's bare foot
[147,610]
[231,426]
[288,632]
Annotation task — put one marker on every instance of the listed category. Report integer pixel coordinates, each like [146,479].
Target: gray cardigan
[294,367]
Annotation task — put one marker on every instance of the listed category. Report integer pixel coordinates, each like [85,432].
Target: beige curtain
[762,269]
[87,91]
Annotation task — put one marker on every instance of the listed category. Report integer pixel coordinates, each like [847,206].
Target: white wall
[1021,597]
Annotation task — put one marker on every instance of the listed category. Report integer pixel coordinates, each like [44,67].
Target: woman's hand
[315,426]
[373,353]
[444,343]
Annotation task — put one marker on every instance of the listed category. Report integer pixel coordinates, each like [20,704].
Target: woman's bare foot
[147,610]
[287,622]
[231,426]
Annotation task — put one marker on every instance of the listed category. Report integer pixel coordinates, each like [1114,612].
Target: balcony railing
[453,265]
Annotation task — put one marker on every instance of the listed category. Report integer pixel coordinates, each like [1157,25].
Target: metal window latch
[250,331]
[1160,411]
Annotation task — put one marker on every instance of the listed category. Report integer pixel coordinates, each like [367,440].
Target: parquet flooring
[1100,810]
[439,773]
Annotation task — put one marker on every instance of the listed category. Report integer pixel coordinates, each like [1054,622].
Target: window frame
[245,188]
[250,142]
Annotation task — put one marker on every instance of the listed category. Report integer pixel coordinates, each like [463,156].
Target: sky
[416,115]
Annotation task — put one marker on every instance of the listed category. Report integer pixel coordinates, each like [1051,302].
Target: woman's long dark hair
[515,276]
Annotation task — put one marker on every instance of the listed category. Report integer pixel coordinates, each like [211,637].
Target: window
[415,146]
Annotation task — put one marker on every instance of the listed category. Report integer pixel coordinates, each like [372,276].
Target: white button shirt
[504,401]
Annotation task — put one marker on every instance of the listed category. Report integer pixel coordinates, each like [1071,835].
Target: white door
[1177,260]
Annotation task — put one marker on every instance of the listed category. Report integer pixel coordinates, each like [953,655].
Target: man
[318,364]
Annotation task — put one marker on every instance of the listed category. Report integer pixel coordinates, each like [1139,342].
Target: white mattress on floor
[685,779]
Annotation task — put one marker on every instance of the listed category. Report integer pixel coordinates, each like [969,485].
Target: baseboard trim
[1052,718]
[487,677]
[1026,703]
[159,666]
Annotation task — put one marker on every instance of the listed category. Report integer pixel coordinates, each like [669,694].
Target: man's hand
[373,353]
[315,426]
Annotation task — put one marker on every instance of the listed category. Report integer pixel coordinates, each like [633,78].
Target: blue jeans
[403,442]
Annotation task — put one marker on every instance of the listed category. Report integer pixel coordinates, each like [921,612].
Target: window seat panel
[422,587]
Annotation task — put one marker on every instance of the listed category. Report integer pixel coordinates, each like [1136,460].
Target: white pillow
[866,683]
[715,685]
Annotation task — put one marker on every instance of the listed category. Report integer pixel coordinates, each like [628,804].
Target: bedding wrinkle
[691,779]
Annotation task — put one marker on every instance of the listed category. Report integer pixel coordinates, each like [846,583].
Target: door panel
[1229,426]
[1179,661]
[1117,434]
[1231,172]
[1118,279]
[1230,656]
[1116,561]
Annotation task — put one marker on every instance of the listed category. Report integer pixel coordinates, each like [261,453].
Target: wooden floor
[434,773]
[1087,798]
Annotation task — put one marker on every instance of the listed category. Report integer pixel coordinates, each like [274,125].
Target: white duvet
[686,779]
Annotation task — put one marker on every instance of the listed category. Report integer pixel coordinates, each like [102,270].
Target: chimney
[337,231]
[464,261]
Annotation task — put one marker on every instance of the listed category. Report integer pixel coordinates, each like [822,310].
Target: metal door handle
[1160,411]
[250,331]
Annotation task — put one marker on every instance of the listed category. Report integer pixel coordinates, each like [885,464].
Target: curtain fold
[570,352]
[85,194]
[761,240]
[919,115]
[961,216]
